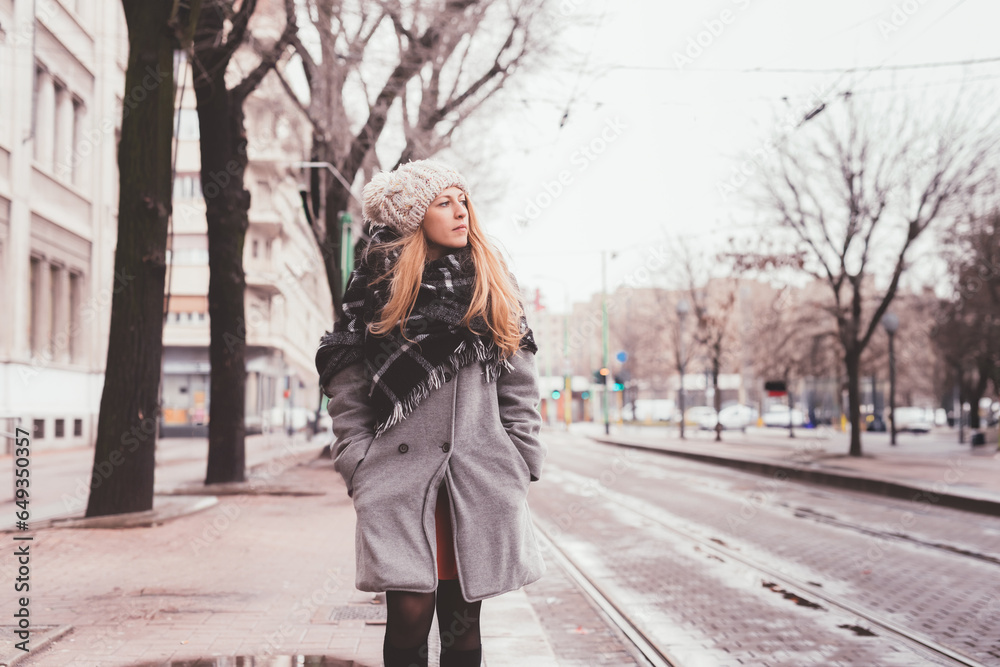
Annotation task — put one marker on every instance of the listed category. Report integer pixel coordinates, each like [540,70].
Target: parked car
[915,420]
[699,414]
[732,417]
[650,410]
[778,415]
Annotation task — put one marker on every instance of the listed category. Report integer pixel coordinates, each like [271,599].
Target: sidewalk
[266,571]
[930,468]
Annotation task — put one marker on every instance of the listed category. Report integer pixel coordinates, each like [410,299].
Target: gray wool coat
[480,440]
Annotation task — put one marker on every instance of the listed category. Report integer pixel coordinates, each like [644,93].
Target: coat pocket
[352,481]
[515,453]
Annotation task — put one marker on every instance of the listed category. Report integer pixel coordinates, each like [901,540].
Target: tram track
[641,643]
[646,645]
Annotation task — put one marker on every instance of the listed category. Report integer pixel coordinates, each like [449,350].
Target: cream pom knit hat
[399,199]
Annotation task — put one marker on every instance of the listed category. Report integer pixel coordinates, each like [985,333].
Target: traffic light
[775,388]
[604,371]
[619,383]
[555,394]
[585,395]
[598,377]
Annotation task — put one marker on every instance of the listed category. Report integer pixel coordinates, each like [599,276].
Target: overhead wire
[818,70]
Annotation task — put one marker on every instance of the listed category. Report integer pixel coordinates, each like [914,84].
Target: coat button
[403,448]
[446,447]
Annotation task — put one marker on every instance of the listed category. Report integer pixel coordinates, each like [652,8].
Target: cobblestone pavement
[675,542]
[232,580]
[578,632]
[263,575]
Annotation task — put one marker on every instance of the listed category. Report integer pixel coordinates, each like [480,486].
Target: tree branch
[270,59]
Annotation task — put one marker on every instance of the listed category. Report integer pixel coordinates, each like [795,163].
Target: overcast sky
[667,122]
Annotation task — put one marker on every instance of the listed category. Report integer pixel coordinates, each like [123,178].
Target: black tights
[409,622]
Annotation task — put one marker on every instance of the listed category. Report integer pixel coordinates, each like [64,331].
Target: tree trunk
[852,361]
[791,407]
[223,163]
[717,399]
[124,453]
[976,393]
[680,396]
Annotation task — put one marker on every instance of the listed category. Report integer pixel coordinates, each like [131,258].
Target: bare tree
[460,53]
[855,189]
[126,426]
[788,342]
[713,311]
[671,315]
[634,328]
[967,329]
[222,29]
[713,304]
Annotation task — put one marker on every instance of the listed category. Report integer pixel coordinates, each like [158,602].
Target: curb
[912,492]
[52,633]
[170,508]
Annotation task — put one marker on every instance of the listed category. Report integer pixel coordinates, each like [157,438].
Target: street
[62,488]
[721,567]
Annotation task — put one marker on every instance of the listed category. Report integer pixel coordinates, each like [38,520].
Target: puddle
[858,630]
[259,661]
[788,595]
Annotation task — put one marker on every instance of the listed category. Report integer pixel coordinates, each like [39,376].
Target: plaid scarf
[404,371]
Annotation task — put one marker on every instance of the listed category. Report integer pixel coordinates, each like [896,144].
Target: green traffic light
[555,393]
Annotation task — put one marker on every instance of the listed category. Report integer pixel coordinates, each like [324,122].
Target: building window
[187,186]
[77,427]
[189,250]
[60,428]
[62,132]
[267,249]
[76,152]
[45,103]
[75,298]
[38,429]
[264,202]
[34,314]
[55,304]
[254,249]
[186,123]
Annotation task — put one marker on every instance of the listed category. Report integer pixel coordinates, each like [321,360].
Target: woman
[433,390]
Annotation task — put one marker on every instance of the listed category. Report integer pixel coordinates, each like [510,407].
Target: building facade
[62,70]
[62,73]
[288,304]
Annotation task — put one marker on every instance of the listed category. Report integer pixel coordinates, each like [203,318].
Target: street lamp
[333,170]
[683,308]
[890,322]
[604,336]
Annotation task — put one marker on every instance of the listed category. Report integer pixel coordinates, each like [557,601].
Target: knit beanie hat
[399,199]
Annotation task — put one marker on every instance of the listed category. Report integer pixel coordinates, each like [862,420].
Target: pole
[346,252]
[892,391]
[876,413]
[604,336]
[567,405]
[682,362]
[961,406]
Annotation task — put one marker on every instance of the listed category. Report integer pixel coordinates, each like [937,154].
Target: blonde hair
[495,296]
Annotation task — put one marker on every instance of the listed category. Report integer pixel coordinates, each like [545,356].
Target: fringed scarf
[404,371]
